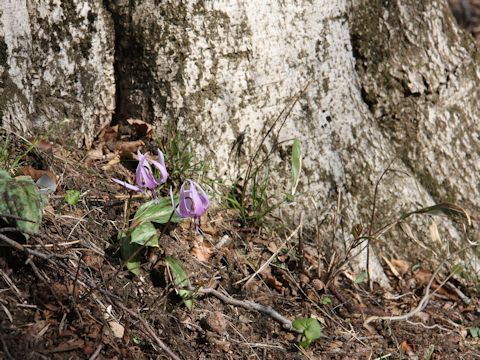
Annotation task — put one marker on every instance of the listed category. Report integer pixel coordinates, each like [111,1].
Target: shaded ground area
[80,304]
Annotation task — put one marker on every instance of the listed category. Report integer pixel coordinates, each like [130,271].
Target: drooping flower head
[144,176]
[193,201]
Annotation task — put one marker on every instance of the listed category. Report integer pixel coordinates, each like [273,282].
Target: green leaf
[296,164]
[474,332]
[145,234]
[159,212]
[136,340]
[72,197]
[20,197]
[311,330]
[127,251]
[134,267]
[326,300]
[180,278]
[187,297]
[361,277]
[446,209]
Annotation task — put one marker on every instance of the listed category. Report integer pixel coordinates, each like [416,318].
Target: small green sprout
[72,197]
[311,330]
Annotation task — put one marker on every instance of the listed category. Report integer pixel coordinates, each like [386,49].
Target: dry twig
[249,305]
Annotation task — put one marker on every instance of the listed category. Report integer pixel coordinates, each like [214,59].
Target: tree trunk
[360,83]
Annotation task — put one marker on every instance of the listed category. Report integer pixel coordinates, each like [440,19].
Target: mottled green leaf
[311,330]
[20,197]
[180,278]
[128,251]
[145,234]
[296,164]
[159,212]
[134,267]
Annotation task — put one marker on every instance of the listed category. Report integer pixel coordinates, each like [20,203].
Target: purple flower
[193,201]
[144,176]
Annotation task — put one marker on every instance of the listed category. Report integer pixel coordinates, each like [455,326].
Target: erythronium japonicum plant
[144,176]
[193,202]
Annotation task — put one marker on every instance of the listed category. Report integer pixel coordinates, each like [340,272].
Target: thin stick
[20,247]
[250,305]
[148,329]
[96,353]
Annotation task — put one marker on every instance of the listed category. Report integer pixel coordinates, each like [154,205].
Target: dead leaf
[43,145]
[36,174]
[108,134]
[141,128]
[113,161]
[127,147]
[201,250]
[402,266]
[423,276]
[93,155]
[272,247]
[93,260]
[423,316]
[406,347]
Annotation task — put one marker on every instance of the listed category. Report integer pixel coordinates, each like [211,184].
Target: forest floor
[79,303]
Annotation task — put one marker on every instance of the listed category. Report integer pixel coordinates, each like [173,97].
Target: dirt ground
[79,303]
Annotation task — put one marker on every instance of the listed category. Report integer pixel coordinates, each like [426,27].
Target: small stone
[216,322]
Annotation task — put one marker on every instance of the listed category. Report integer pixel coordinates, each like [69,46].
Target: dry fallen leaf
[423,276]
[36,174]
[141,128]
[201,250]
[93,155]
[108,133]
[402,266]
[127,147]
[406,347]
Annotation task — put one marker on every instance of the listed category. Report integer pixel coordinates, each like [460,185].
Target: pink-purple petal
[163,171]
[127,185]
[193,200]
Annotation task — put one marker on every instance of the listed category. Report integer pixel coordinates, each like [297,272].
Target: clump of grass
[181,158]
[9,160]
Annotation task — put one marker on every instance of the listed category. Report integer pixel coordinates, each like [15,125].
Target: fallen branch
[22,248]
[249,305]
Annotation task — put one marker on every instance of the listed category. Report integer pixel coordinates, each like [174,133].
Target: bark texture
[383,80]
[56,65]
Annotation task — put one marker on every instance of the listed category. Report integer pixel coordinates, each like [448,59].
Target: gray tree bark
[383,81]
